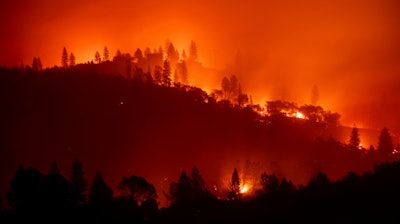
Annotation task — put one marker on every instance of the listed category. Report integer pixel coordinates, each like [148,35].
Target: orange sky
[349,49]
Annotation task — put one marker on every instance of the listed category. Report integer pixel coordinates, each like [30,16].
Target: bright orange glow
[297,115]
[331,44]
[300,115]
[244,189]
[277,49]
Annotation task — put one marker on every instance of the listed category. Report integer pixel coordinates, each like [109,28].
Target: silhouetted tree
[230,89]
[78,183]
[269,183]
[97,57]
[137,188]
[234,185]
[72,59]
[166,76]
[100,193]
[106,54]
[118,56]
[193,56]
[197,183]
[189,189]
[331,119]
[64,58]
[36,64]
[351,178]
[147,51]
[385,144]
[138,54]
[24,190]
[286,186]
[279,107]
[313,113]
[354,138]
[172,55]
[181,191]
[55,189]
[319,181]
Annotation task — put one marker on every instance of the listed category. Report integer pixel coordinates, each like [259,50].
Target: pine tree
[197,182]
[166,76]
[97,57]
[172,55]
[138,54]
[234,185]
[35,64]
[72,59]
[106,54]
[354,138]
[100,193]
[64,58]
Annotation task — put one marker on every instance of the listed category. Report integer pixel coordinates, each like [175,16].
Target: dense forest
[132,128]
[50,198]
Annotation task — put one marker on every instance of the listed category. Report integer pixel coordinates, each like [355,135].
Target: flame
[300,115]
[244,189]
[296,114]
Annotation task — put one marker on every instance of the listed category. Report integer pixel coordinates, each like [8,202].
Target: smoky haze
[278,49]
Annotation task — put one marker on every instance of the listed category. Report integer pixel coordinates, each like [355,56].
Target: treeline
[92,113]
[122,123]
[50,198]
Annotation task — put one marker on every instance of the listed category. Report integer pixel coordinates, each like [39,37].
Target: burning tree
[234,185]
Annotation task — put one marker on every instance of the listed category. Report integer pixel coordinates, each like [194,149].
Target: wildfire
[296,114]
[300,115]
[244,189]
